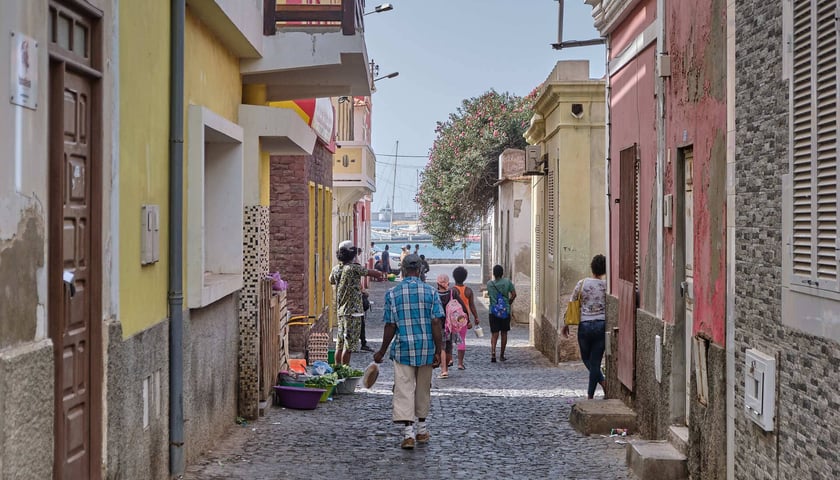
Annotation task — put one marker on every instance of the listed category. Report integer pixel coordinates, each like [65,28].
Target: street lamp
[381,8]
[390,75]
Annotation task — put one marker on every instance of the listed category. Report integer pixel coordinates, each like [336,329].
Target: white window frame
[810,290]
[215,206]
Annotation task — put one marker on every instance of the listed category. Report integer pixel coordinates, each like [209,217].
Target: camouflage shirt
[348,292]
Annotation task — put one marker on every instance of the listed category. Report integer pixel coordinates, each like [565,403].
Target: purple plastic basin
[301,398]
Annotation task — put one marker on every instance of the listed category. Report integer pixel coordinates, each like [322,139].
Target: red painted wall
[633,120]
[696,106]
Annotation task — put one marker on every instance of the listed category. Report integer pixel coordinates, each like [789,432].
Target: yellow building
[569,214]
[134,233]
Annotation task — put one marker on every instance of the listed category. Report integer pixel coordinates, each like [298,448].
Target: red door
[74,252]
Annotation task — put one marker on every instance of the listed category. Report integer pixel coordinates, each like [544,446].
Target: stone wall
[804,442]
[707,424]
[211,342]
[26,411]
[132,449]
[652,398]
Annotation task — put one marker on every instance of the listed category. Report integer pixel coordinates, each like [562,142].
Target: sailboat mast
[393,192]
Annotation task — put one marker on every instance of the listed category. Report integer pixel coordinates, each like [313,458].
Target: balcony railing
[348,14]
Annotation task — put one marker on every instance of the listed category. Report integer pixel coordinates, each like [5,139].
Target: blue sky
[450,50]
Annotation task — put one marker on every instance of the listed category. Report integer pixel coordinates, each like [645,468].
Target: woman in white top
[593,323]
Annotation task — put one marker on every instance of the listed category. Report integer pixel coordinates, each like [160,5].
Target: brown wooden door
[75,213]
[73,316]
[628,235]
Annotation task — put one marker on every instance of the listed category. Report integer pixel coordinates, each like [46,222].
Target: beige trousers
[412,392]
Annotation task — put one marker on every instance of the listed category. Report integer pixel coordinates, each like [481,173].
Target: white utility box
[760,388]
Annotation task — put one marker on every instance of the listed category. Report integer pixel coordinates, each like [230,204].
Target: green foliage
[346,371]
[457,185]
[326,381]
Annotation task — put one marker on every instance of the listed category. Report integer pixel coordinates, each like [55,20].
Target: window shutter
[551,231]
[539,271]
[814,160]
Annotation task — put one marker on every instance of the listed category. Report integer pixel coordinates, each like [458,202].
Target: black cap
[411,261]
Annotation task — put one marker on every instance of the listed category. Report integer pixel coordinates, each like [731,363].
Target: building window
[810,200]
[214,207]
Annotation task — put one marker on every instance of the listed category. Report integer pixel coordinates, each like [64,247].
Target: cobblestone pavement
[490,421]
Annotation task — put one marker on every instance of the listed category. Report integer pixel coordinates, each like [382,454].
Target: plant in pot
[327,382]
[350,376]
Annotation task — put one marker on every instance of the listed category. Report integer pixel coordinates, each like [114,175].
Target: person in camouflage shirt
[347,277]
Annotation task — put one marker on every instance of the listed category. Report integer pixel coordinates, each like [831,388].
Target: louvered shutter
[814,160]
[538,255]
[551,230]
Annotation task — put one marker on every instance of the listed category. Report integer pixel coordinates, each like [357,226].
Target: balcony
[354,172]
[311,51]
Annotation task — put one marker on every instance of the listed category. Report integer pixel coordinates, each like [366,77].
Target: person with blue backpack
[501,293]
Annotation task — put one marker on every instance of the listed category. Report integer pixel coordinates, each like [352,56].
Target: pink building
[667,125]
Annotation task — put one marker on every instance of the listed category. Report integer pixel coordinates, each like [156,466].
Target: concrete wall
[210,374]
[707,424]
[23,186]
[696,107]
[803,444]
[651,397]
[26,406]
[143,158]
[134,450]
[575,149]
[513,230]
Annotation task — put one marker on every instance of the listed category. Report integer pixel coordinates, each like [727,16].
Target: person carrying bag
[591,297]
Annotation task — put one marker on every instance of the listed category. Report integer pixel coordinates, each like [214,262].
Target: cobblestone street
[489,421]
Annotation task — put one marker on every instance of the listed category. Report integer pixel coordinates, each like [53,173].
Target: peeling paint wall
[21,265]
[695,99]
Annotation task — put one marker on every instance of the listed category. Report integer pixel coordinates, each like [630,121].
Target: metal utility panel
[150,234]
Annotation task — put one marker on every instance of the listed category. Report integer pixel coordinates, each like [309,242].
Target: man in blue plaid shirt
[413,314]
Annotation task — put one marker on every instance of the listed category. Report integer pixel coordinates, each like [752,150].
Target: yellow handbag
[573,310]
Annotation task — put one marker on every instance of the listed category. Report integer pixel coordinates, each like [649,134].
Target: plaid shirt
[412,306]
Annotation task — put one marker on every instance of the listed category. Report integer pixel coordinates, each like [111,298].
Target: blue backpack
[499,308]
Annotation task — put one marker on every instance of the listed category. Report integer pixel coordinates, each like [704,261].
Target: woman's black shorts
[499,324]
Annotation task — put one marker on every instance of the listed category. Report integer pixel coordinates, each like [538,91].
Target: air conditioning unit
[534,161]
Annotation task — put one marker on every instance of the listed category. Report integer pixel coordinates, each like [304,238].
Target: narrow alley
[491,420]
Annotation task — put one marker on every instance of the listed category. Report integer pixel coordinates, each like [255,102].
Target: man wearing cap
[413,314]
[347,278]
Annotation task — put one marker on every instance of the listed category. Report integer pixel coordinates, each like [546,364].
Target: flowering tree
[457,186]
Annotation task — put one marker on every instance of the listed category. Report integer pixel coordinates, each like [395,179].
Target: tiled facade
[804,441]
[255,267]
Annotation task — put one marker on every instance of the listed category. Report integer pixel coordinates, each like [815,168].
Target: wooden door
[628,238]
[687,285]
[74,252]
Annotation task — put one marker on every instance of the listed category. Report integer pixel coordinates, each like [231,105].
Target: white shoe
[408,438]
[423,434]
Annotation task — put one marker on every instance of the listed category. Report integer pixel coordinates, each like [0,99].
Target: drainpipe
[661,151]
[176,209]
[608,158]
[730,248]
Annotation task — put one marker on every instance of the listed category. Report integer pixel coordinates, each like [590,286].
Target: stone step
[600,416]
[678,436]
[656,460]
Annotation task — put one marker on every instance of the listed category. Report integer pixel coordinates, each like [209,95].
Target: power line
[401,156]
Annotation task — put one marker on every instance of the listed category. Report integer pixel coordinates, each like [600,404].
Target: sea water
[430,251]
